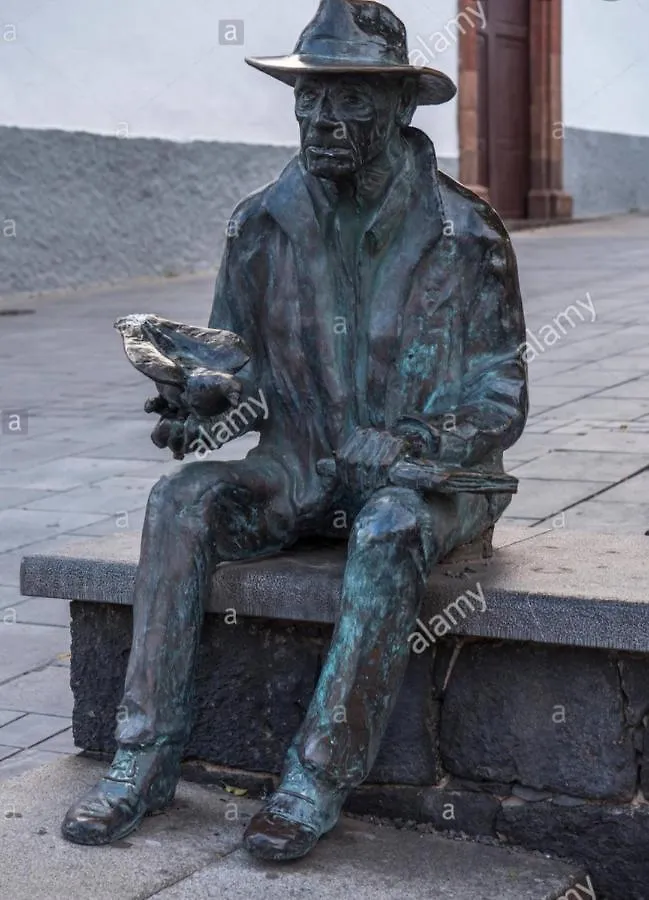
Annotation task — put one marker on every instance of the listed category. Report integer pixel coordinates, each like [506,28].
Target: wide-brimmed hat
[360,37]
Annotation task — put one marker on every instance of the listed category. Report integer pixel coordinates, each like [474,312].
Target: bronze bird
[193,367]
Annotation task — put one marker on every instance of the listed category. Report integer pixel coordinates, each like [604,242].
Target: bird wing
[210,348]
[147,359]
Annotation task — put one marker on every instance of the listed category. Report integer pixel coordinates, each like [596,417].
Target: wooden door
[503,63]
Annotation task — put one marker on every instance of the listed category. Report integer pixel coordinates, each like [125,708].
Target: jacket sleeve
[238,292]
[493,403]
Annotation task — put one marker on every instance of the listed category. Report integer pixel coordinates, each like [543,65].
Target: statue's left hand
[363,463]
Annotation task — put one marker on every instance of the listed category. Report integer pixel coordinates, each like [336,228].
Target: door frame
[546,198]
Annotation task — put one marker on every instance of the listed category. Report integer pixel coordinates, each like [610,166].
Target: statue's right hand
[170,430]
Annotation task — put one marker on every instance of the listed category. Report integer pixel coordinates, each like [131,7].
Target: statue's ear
[407,102]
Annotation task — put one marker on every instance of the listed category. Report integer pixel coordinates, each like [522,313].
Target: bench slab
[547,586]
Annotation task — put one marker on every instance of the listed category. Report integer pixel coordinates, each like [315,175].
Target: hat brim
[434,87]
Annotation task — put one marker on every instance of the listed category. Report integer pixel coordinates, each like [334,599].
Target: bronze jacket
[427,333]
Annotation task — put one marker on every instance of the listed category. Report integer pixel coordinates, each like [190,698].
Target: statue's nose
[324,115]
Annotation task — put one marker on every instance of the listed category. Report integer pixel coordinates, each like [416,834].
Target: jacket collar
[296,199]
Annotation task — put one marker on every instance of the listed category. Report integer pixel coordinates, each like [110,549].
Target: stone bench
[522,717]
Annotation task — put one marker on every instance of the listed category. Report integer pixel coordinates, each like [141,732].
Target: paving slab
[366,862]
[41,611]
[111,496]
[16,454]
[19,527]
[45,690]
[568,464]
[63,742]
[9,596]
[11,497]
[589,380]
[638,388]
[69,472]
[193,850]
[8,752]
[607,408]
[19,762]
[601,514]
[539,498]
[631,491]
[26,647]
[614,441]
[551,396]
[9,715]
[622,362]
[31,729]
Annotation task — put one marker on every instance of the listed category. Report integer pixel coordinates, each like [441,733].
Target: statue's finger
[176,439]
[160,433]
[193,440]
[156,405]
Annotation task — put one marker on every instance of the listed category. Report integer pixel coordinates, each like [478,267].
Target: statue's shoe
[140,780]
[290,825]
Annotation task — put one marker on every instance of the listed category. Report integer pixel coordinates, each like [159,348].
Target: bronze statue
[379,300]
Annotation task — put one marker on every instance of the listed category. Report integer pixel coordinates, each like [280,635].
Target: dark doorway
[503,69]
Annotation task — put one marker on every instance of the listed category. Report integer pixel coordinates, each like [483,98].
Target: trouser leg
[396,540]
[205,514]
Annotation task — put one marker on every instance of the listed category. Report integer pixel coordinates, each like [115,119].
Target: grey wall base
[542,746]
[89,208]
[606,173]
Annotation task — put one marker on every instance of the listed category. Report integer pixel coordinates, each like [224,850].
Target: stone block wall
[536,745]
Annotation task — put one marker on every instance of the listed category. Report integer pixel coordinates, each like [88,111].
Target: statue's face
[345,121]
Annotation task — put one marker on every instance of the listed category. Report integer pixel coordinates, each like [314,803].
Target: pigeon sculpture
[193,367]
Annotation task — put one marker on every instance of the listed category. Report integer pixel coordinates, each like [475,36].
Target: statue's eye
[306,97]
[354,101]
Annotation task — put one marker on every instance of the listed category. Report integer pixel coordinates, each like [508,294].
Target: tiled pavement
[83,463]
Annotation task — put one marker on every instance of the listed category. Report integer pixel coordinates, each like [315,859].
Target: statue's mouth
[330,152]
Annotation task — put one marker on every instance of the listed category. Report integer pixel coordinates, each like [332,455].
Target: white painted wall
[155,68]
[606,65]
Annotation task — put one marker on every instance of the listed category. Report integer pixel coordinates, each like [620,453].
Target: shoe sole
[269,855]
[90,839]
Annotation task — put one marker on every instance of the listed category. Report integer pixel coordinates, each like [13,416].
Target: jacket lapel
[402,252]
[289,203]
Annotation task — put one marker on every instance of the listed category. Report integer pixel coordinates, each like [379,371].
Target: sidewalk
[200,855]
[82,462]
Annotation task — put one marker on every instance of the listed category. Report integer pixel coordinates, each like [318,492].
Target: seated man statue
[380,302]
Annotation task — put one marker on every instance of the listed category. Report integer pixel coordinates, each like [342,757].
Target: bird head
[130,326]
